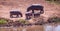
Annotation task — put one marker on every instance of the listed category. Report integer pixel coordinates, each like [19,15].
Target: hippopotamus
[17,13]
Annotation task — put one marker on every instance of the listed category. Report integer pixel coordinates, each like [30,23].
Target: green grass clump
[3,21]
[54,1]
[23,21]
[54,19]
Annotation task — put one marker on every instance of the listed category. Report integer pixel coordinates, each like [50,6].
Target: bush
[3,21]
[54,19]
[48,0]
[52,0]
[56,1]
[24,21]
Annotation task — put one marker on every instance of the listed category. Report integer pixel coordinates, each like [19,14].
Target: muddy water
[46,27]
[52,27]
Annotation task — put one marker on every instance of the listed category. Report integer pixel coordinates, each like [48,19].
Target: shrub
[3,21]
[48,0]
[22,21]
[56,1]
[54,19]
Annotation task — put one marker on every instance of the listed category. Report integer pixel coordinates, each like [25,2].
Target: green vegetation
[23,21]
[3,21]
[55,1]
[54,19]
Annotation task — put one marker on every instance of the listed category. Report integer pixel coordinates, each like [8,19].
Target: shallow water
[24,29]
[52,28]
[57,28]
[46,27]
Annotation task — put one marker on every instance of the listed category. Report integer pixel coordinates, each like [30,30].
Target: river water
[46,27]
[53,27]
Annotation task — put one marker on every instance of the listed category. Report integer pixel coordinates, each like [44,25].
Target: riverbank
[45,27]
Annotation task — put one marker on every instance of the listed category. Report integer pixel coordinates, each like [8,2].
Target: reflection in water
[24,29]
[52,28]
[57,28]
[48,28]
[14,29]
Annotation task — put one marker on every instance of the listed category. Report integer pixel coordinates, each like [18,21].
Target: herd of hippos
[28,14]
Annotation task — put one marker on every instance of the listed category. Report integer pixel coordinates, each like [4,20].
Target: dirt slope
[50,9]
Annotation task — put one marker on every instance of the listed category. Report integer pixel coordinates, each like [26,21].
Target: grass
[23,21]
[3,21]
[54,19]
[53,1]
